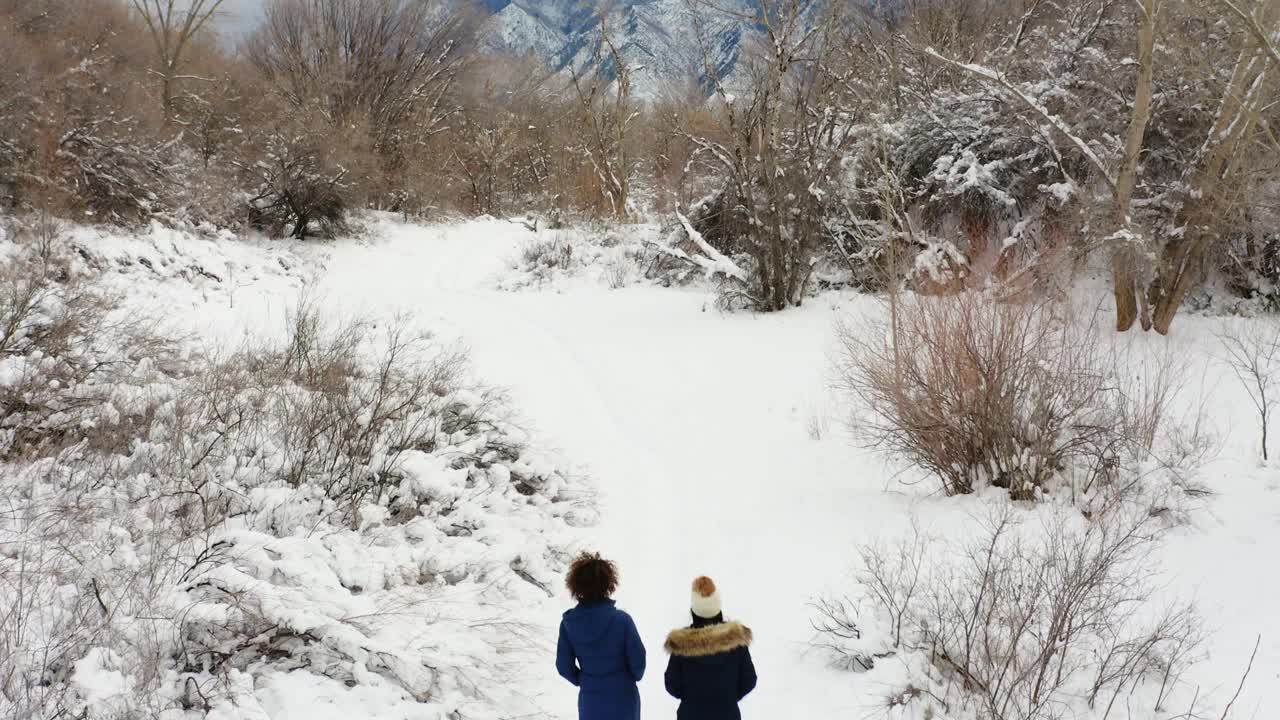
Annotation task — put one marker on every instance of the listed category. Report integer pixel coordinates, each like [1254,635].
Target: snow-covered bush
[977,391]
[344,422]
[552,253]
[714,217]
[66,358]
[117,175]
[204,535]
[1023,618]
[1250,270]
[978,174]
[615,255]
[297,192]
[390,449]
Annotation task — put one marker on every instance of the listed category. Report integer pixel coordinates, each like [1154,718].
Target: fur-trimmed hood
[709,640]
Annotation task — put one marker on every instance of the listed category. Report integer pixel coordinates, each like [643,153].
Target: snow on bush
[616,256]
[340,515]
[296,192]
[1020,616]
[68,364]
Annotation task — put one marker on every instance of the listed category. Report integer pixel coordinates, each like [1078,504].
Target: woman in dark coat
[599,650]
[710,669]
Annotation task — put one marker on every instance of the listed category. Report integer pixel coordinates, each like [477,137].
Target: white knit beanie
[706,598]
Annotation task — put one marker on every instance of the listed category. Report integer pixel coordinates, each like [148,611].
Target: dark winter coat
[710,669]
[601,653]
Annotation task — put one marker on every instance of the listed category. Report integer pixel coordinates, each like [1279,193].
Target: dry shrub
[618,273]
[338,419]
[980,392]
[81,393]
[89,559]
[553,253]
[74,125]
[142,556]
[1022,620]
[338,413]
[116,175]
[1253,354]
[69,362]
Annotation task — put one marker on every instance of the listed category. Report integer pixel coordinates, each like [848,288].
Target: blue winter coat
[710,670]
[600,652]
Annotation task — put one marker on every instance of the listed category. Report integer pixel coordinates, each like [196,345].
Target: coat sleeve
[635,651]
[746,674]
[566,660]
[675,678]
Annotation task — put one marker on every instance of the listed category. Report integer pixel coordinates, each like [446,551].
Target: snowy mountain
[656,37]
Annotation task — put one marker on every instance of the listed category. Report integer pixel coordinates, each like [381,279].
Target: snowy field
[715,446]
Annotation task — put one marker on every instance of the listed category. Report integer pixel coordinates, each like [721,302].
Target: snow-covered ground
[717,447]
[692,424]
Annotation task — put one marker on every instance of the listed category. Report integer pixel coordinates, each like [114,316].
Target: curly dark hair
[591,578]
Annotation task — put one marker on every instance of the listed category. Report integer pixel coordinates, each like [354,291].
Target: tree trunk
[1126,289]
[1265,418]
[623,190]
[1183,256]
[1123,262]
[1179,265]
[166,95]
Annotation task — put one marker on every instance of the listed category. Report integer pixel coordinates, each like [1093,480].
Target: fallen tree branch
[711,261]
[530,223]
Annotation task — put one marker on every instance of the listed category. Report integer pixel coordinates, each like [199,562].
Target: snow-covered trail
[668,409]
[696,428]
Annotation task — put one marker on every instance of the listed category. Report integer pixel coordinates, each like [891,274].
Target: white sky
[239,16]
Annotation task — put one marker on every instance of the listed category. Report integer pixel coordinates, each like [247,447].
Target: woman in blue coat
[599,650]
[710,669]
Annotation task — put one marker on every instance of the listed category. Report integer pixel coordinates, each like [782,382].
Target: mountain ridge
[656,38]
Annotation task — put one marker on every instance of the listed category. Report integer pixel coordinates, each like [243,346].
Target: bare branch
[1226,712]
[1251,23]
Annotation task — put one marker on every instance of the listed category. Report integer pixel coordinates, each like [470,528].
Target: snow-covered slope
[515,29]
[288,597]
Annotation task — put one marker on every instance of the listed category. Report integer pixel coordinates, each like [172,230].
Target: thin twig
[1243,678]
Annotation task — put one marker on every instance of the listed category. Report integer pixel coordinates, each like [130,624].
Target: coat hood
[709,640]
[588,624]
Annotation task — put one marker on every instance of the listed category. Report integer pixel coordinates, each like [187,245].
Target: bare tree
[1240,110]
[1016,621]
[1253,354]
[608,112]
[389,64]
[778,147]
[1124,260]
[173,25]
